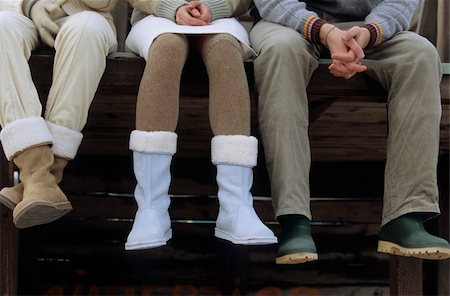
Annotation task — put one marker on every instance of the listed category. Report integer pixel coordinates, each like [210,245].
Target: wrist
[325,32]
[312,29]
[375,33]
[27,5]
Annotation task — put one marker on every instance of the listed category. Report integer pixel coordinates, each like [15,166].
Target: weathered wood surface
[348,118]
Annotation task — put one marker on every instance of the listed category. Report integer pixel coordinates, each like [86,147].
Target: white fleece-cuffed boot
[65,146]
[237,222]
[152,156]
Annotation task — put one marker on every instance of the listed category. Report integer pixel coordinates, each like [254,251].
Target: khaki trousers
[82,44]
[407,66]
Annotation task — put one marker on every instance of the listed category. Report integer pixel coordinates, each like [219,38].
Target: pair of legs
[233,150]
[283,68]
[42,147]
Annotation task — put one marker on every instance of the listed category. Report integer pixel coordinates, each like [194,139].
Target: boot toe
[11,196]
[149,230]
[245,228]
[406,236]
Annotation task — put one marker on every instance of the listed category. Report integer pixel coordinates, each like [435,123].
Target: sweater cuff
[311,29]
[168,9]
[376,32]
[27,5]
[219,9]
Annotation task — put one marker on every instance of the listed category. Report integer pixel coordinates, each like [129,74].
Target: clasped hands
[45,12]
[196,13]
[346,49]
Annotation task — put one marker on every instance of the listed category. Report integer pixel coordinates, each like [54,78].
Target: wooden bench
[83,253]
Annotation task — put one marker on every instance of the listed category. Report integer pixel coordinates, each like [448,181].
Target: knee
[8,25]
[285,46]
[171,44]
[89,27]
[420,54]
[221,43]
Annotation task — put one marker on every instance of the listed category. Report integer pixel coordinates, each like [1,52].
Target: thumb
[351,33]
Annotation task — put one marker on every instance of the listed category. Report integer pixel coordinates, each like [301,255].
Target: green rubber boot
[296,244]
[406,236]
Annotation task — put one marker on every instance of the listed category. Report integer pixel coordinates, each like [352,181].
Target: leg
[283,69]
[414,111]
[233,151]
[229,96]
[82,44]
[154,141]
[158,98]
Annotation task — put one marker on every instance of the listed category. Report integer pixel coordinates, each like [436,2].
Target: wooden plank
[121,15]
[8,237]
[405,276]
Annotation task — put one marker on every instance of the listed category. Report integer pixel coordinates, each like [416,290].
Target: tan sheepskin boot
[43,201]
[11,196]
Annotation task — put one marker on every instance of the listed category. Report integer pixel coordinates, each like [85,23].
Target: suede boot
[406,236]
[152,156]
[296,244]
[11,196]
[43,201]
[237,221]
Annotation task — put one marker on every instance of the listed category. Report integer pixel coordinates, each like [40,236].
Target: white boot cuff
[24,133]
[65,140]
[153,142]
[239,150]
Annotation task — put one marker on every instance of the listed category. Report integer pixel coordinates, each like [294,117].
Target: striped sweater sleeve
[388,18]
[293,14]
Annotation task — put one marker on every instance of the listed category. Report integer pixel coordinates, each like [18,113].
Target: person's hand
[346,55]
[200,10]
[42,14]
[195,13]
[356,39]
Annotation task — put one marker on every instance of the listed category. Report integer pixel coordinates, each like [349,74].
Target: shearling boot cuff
[234,149]
[21,134]
[65,140]
[159,142]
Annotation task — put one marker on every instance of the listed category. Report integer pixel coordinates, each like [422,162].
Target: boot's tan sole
[39,212]
[432,253]
[296,258]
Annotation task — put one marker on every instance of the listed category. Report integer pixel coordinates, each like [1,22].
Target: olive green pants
[407,66]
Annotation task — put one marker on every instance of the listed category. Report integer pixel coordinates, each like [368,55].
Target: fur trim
[238,150]
[65,140]
[21,134]
[153,142]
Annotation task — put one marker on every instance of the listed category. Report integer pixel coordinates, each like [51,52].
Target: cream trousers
[81,46]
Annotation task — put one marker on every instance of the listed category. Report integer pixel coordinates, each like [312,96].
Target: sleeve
[223,9]
[388,18]
[26,7]
[161,8]
[101,5]
[293,14]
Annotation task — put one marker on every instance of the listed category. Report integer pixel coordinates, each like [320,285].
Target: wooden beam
[9,244]
[405,276]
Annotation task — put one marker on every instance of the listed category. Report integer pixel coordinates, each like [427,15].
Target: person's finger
[340,69]
[47,37]
[346,57]
[355,47]
[195,12]
[49,25]
[351,33]
[356,67]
